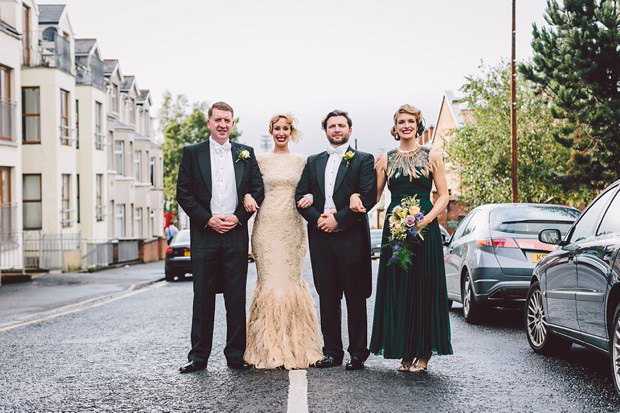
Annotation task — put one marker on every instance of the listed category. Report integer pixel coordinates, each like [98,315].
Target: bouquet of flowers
[403,232]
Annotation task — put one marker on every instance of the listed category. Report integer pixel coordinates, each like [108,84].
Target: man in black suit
[213,178]
[339,239]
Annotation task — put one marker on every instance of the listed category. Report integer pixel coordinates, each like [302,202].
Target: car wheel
[541,339]
[615,350]
[471,309]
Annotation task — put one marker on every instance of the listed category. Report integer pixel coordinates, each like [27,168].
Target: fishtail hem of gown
[434,352]
[282,328]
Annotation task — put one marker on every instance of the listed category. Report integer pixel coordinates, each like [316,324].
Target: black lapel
[204,163]
[239,164]
[321,163]
[342,170]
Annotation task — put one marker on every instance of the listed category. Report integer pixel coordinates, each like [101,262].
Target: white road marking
[297,392]
[81,306]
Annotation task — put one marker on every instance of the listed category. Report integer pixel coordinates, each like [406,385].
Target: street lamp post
[513,111]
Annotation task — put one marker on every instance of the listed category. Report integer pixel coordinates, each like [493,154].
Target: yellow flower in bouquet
[413,210]
[404,234]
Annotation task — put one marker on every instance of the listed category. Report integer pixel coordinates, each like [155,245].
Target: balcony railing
[7,120]
[56,53]
[89,71]
[99,141]
[66,217]
[66,135]
[100,212]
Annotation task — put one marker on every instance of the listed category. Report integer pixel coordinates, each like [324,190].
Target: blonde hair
[292,122]
[410,110]
[221,106]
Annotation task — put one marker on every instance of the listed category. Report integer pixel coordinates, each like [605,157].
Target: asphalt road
[123,355]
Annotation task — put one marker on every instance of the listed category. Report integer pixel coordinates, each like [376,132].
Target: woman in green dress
[411,320]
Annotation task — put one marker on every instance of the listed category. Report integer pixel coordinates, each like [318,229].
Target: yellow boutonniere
[348,156]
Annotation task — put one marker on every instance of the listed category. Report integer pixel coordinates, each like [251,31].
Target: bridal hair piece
[410,110]
[292,122]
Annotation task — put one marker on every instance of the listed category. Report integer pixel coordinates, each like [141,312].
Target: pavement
[55,293]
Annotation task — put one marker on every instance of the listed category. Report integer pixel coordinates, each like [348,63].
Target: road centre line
[81,306]
[297,391]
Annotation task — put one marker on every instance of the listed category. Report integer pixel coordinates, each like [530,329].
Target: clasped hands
[223,223]
[356,205]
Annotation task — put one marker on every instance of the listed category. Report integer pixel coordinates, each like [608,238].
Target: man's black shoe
[354,364]
[239,365]
[327,361]
[193,366]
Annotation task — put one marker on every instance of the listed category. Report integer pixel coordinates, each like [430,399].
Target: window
[132,227]
[119,220]
[472,224]
[119,150]
[99,136]
[77,124]
[587,223]
[138,223]
[611,221]
[152,170]
[460,229]
[77,186]
[111,148]
[26,35]
[6,206]
[136,165]
[132,111]
[114,97]
[99,213]
[31,114]
[65,132]
[7,109]
[65,211]
[32,201]
[50,34]
[153,232]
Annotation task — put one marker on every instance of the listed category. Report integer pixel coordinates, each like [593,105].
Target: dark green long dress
[411,309]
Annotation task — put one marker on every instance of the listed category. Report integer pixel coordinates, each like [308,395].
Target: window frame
[32,201]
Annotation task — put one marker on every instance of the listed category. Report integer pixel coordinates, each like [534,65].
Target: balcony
[56,54]
[66,217]
[7,120]
[89,72]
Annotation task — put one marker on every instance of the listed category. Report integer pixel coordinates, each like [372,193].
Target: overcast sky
[307,57]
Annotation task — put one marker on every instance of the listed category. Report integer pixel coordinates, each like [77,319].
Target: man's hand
[355,203]
[327,223]
[222,223]
[249,203]
[305,201]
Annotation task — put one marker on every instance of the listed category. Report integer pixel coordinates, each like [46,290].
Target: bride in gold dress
[282,328]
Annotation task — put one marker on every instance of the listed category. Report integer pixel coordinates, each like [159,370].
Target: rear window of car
[375,235]
[182,237]
[532,219]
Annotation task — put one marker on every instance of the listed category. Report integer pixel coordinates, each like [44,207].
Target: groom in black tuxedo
[339,239]
[214,175]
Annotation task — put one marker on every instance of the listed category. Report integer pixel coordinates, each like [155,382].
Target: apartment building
[81,175]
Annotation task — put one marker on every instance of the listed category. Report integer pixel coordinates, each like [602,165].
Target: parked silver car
[490,257]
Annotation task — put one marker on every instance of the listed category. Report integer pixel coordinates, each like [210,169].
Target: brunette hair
[335,113]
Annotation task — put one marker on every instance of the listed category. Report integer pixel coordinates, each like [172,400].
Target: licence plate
[186,253]
[537,257]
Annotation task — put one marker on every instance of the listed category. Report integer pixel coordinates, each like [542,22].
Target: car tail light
[168,251]
[497,243]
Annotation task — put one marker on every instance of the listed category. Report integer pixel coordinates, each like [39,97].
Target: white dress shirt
[224,185]
[331,170]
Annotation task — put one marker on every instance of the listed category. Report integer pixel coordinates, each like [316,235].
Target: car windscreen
[375,236]
[181,238]
[531,219]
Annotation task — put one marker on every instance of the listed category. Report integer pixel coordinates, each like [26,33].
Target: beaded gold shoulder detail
[413,163]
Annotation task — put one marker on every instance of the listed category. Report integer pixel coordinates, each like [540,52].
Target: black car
[375,242]
[490,257]
[574,296]
[178,257]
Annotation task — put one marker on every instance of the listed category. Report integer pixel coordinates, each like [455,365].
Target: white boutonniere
[243,155]
[346,158]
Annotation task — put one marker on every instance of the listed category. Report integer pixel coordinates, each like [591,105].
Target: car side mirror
[550,236]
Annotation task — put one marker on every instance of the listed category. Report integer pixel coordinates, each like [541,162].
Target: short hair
[409,109]
[292,122]
[220,106]
[335,113]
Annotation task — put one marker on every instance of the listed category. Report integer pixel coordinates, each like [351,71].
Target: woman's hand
[305,201]
[355,203]
[420,225]
[249,203]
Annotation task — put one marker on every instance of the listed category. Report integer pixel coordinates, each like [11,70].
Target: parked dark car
[178,257]
[491,255]
[574,296]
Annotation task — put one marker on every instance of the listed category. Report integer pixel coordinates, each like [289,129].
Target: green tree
[480,150]
[576,64]
[181,126]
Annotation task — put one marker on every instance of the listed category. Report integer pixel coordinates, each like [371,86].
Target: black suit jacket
[194,185]
[354,176]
